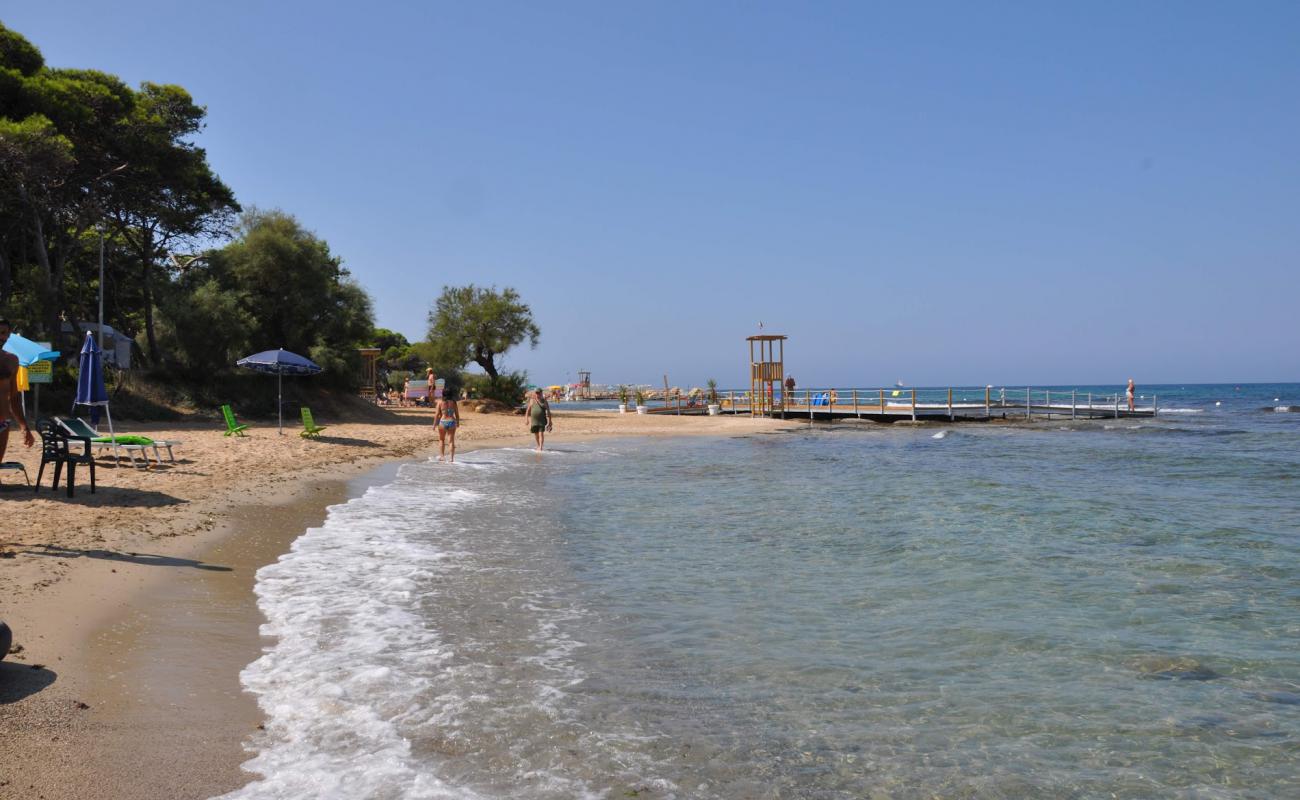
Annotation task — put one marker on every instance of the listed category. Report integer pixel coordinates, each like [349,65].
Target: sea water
[1060,610]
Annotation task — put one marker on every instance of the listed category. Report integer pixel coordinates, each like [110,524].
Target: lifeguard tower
[584,384]
[766,368]
[369,371]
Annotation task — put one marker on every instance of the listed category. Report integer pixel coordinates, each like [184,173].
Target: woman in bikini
[447,419]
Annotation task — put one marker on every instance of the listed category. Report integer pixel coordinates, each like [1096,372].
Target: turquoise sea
[1103,609]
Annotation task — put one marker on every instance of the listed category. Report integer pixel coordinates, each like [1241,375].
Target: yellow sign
[40,372]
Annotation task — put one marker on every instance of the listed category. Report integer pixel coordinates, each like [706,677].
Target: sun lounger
[233,428]
[310,429]
[77,428]
[16,465]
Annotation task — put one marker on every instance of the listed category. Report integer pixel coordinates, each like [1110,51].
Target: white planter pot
[714,409]
[642,409]
[622,408]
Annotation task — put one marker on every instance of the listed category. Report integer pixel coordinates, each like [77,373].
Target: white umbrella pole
[279,399]
[113,437]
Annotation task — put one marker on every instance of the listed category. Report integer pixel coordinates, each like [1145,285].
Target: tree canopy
[471,324]
[275,285]
[84,155]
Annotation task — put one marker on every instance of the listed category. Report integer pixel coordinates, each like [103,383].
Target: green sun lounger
[233,428]
[78,428]
[310,429]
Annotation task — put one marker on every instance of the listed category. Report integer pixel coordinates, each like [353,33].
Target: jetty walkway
[931,404]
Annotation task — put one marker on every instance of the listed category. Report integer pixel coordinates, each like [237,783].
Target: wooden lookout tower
[584,384]
[369,371]
[766,369]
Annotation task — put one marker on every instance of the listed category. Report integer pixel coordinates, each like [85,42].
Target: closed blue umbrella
[90,383]
[280,362]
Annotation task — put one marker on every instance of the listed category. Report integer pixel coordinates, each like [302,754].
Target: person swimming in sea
[446,418]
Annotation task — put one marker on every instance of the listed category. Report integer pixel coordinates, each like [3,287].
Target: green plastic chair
[233,428]
[310,429]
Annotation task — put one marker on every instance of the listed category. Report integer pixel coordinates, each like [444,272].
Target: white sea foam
[1163,410]
[940,435]
[351,654]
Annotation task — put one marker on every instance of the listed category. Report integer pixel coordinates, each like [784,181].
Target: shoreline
[131,688]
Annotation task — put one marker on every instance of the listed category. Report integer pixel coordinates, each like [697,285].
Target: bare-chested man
[10,407]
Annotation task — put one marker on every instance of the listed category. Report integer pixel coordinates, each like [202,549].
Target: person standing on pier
[1130,391]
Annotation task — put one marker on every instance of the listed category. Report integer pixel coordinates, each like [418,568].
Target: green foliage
[473,324]
[622,394]
[81,150]
[85,157]
[276,285]
[18,54]
[509,388]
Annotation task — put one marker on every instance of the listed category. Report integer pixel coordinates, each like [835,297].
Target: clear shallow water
[1105,609]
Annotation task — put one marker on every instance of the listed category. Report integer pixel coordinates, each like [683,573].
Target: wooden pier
[930,405]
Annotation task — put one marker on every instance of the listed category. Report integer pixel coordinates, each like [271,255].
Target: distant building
[117,345]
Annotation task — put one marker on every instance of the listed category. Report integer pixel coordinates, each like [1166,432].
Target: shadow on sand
[345,440]
[22,680]
[104,495]
[143,559]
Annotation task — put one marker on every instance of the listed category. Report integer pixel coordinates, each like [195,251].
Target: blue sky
[939,193]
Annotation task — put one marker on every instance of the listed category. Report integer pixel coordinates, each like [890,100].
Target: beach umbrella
[90,383]
[28,352]
[280,363]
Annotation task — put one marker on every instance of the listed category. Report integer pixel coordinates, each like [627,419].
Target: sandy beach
[132,607]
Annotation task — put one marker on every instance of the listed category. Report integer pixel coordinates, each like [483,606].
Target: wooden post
[1153,406]
[950,417]
[855,404]
[1028,402]
[1089,405]
[1117,405]
[1074,411]
[810,411]
[1049,403]
[882,403]
[988,412]
[914,405]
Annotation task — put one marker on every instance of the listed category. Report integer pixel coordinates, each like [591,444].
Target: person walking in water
[447,419]
[1130,391]
[538,415]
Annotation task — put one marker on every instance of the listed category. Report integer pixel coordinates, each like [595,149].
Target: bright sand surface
[133,610]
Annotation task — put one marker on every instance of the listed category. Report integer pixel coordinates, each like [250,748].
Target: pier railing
[956,401]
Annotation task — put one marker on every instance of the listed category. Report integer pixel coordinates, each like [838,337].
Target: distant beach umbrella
[279,362]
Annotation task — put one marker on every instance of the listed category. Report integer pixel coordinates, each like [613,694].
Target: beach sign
[40,372]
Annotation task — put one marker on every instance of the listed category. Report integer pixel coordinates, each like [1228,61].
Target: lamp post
[100,226]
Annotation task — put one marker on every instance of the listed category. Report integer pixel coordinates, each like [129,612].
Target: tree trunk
[146,285]
[6,279]
[487,360]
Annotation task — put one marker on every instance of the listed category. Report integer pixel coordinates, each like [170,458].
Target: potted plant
[622,399]
[714,407]
[641,407]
